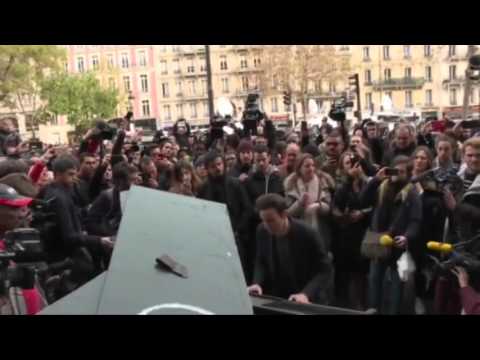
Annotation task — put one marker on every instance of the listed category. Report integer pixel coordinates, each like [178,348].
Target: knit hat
[245,146]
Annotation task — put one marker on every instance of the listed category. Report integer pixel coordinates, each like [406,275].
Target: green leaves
[80,97]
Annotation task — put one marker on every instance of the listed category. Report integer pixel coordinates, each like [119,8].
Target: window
[95,62]
[428,97]
[193,89]
[408,73]
[332,87]
[179,88]
[243,62]
[29,123]
[408,99]
[110,61]
[165,91]
[318,86]
[257,62]
[180,110]
[191,66]
[274,105]
[204,87]
[176,66]
[225,89]
[428,73]
[126,83]
[167,112]
[407,51]
[206,111]
[142,59]
[80,65]
[386,52]
[175,48]
[111,83]
[66,66]
[193,110]
[368,77]
[223,63]
[203,64]
[427,50]
[244,83]
[144,83]
[125,61]
[163,67]
[389,94]
[366,53]
[146,108]
[452,50]
[368,101]
[387,74]
[453,72]
[163,48]
[453,96]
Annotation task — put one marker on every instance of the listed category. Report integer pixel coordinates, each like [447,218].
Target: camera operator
[70,240]
[12,214]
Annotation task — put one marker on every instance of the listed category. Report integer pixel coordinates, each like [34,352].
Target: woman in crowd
[309,194]
[184,179]
[352,221]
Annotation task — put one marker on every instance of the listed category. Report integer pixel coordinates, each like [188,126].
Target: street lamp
[211,109]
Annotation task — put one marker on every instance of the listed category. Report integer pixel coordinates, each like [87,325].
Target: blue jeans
[376,281]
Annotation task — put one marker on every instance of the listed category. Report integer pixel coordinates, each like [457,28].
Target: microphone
[386,240]
[440,247]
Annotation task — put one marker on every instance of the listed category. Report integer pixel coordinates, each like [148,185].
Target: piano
[268,305]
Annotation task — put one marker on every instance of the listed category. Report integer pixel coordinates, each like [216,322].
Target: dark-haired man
[291,259]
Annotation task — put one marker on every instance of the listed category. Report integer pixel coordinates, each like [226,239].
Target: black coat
[238,170]
[393,152]
[258,184]
[311,266]
[237,202]
[377,148]
[67,235]
[105,214]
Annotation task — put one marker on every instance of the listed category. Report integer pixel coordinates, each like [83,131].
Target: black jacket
[258,184]
[310,264]
[105,214]
[239,169]
[400,217]
[393,152]
[238,204]
[377,148]
[67,235]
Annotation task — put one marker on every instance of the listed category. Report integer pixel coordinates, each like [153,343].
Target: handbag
[371,247]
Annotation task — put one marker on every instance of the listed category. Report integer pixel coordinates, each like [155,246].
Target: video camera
[445,179]
[465,254]
[339,108]
[104,131]
[25,248]
[252,115]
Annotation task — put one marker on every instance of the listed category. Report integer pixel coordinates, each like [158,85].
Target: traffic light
[354,82]
[287,98]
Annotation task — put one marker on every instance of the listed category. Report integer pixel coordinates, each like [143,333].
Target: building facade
[426,79]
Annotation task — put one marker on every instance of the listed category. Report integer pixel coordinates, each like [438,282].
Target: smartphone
[438,126]
[391,172]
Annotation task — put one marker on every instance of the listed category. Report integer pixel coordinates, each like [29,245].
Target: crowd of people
[311,210]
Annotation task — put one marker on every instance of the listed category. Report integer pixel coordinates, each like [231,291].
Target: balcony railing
[399,84]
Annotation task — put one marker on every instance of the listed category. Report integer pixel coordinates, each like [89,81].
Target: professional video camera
[104,131]
[444,179]
[252,115]
[24,247]
[465,254]
[339,108]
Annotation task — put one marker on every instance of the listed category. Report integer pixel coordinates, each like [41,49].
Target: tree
[23,69]
[80,97]
[301,70]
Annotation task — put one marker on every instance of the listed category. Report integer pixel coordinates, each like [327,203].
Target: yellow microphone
[440,247]
[386,240]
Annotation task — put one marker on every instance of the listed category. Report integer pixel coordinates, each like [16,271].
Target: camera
[25,248]
[339,108]
[252,115]
[444,179]
[104,131]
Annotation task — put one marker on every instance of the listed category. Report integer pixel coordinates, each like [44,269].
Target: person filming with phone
[397,214]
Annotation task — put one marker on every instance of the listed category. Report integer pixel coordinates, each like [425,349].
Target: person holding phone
[397,211]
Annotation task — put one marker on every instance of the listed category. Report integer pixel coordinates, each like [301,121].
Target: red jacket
[470,301]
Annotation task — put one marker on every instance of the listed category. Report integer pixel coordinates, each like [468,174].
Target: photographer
[70,241]
[28,301]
